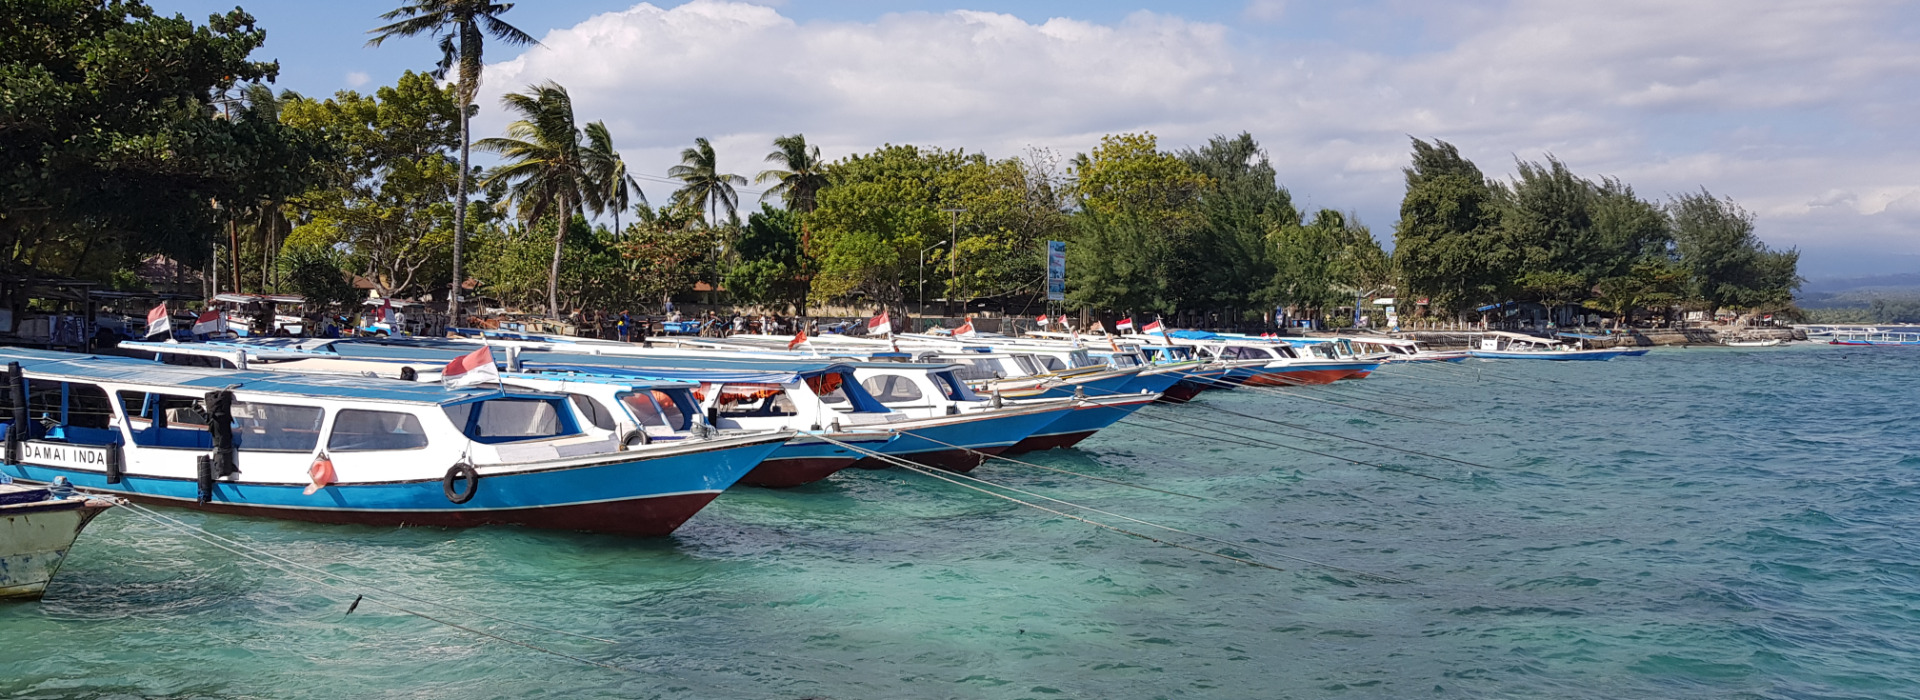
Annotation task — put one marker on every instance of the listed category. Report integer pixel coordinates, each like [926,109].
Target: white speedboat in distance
[1502,345]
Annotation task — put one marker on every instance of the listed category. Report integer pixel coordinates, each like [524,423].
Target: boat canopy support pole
[17,401]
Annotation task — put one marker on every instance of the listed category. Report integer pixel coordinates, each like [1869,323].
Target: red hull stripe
[646,517]
[787,473]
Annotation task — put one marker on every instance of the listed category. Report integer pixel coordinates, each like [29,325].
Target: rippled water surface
[1693,523]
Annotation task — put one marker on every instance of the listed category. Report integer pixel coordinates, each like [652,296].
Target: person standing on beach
[624,327]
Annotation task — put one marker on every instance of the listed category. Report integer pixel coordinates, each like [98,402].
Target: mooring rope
[1283,446]
[951,477]
[1305,429]
[1295,395]
[249,553]
[363,584]
[1051,469]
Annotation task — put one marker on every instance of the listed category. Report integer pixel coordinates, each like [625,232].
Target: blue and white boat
[349,449]
[1502,345]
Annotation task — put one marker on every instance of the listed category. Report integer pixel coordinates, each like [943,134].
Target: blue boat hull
[1079,424]
[649,495]
[980,438]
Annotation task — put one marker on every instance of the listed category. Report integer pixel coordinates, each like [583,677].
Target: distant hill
[1852,292]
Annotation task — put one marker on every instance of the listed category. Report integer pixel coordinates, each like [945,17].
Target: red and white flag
[799,339]
[1153,326]
[1125,325]
[319,474]
[158,320]
[209,323]
[880,323]
[470,369]
[965,330]
[1042,320]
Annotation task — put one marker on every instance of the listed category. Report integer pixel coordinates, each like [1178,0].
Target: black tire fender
[634,438]
[454,474]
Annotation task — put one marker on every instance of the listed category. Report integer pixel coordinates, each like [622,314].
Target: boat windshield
[508,419]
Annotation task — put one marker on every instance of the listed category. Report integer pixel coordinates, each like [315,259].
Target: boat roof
[1519,336]
[98,368]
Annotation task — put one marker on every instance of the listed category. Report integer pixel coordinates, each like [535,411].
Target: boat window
[977,369]
[1053,364]
[954,389]
[1025,363]
[655,411]
[357,430]
[892,389]
[755,400]
[173,412]
[83,406]
[506,419]
[591,409]
[830,387]
[276,427]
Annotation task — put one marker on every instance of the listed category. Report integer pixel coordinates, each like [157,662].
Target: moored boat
[38,526]
[1502,345]
[354,450]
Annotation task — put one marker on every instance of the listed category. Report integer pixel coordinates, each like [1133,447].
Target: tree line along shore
[130,137]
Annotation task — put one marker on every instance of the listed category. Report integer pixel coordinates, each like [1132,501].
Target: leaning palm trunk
[553,273]
[459,218]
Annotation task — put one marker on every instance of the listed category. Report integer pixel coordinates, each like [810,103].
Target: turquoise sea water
[1694,523]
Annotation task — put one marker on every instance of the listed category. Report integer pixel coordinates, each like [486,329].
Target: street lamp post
[923,274]
[953,256]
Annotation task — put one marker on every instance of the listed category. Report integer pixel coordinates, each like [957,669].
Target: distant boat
[37,527]
[1753,343]
[1501,345]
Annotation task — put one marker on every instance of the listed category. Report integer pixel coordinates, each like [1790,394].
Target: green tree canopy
[1726,265]
[388,197]
[110,141]
[1448,245]
[1140,210]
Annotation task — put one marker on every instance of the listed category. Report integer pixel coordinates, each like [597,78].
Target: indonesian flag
[1042,320]
[1125,325]
[158,320]
[319,474]
[471,369]
[880,323]
[209,323]
[799,339]
[965,330]
[1153,326]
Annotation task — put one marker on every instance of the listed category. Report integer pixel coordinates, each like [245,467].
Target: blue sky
[1800,110]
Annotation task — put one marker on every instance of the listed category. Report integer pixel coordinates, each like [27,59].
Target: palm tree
[706,185]
[608,173]
[462,27]
[800,176]
[545,169]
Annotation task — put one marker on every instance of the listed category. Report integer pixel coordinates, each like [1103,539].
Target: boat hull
[34,540]
[1558,356]
[1081,423]
[646,495]
[1311,374]
[934,445]
[804,460]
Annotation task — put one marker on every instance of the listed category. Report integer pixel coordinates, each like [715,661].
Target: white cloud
[1265,10]
[1778,104]
[358,79]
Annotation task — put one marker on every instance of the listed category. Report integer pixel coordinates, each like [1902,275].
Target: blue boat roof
[126,369]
